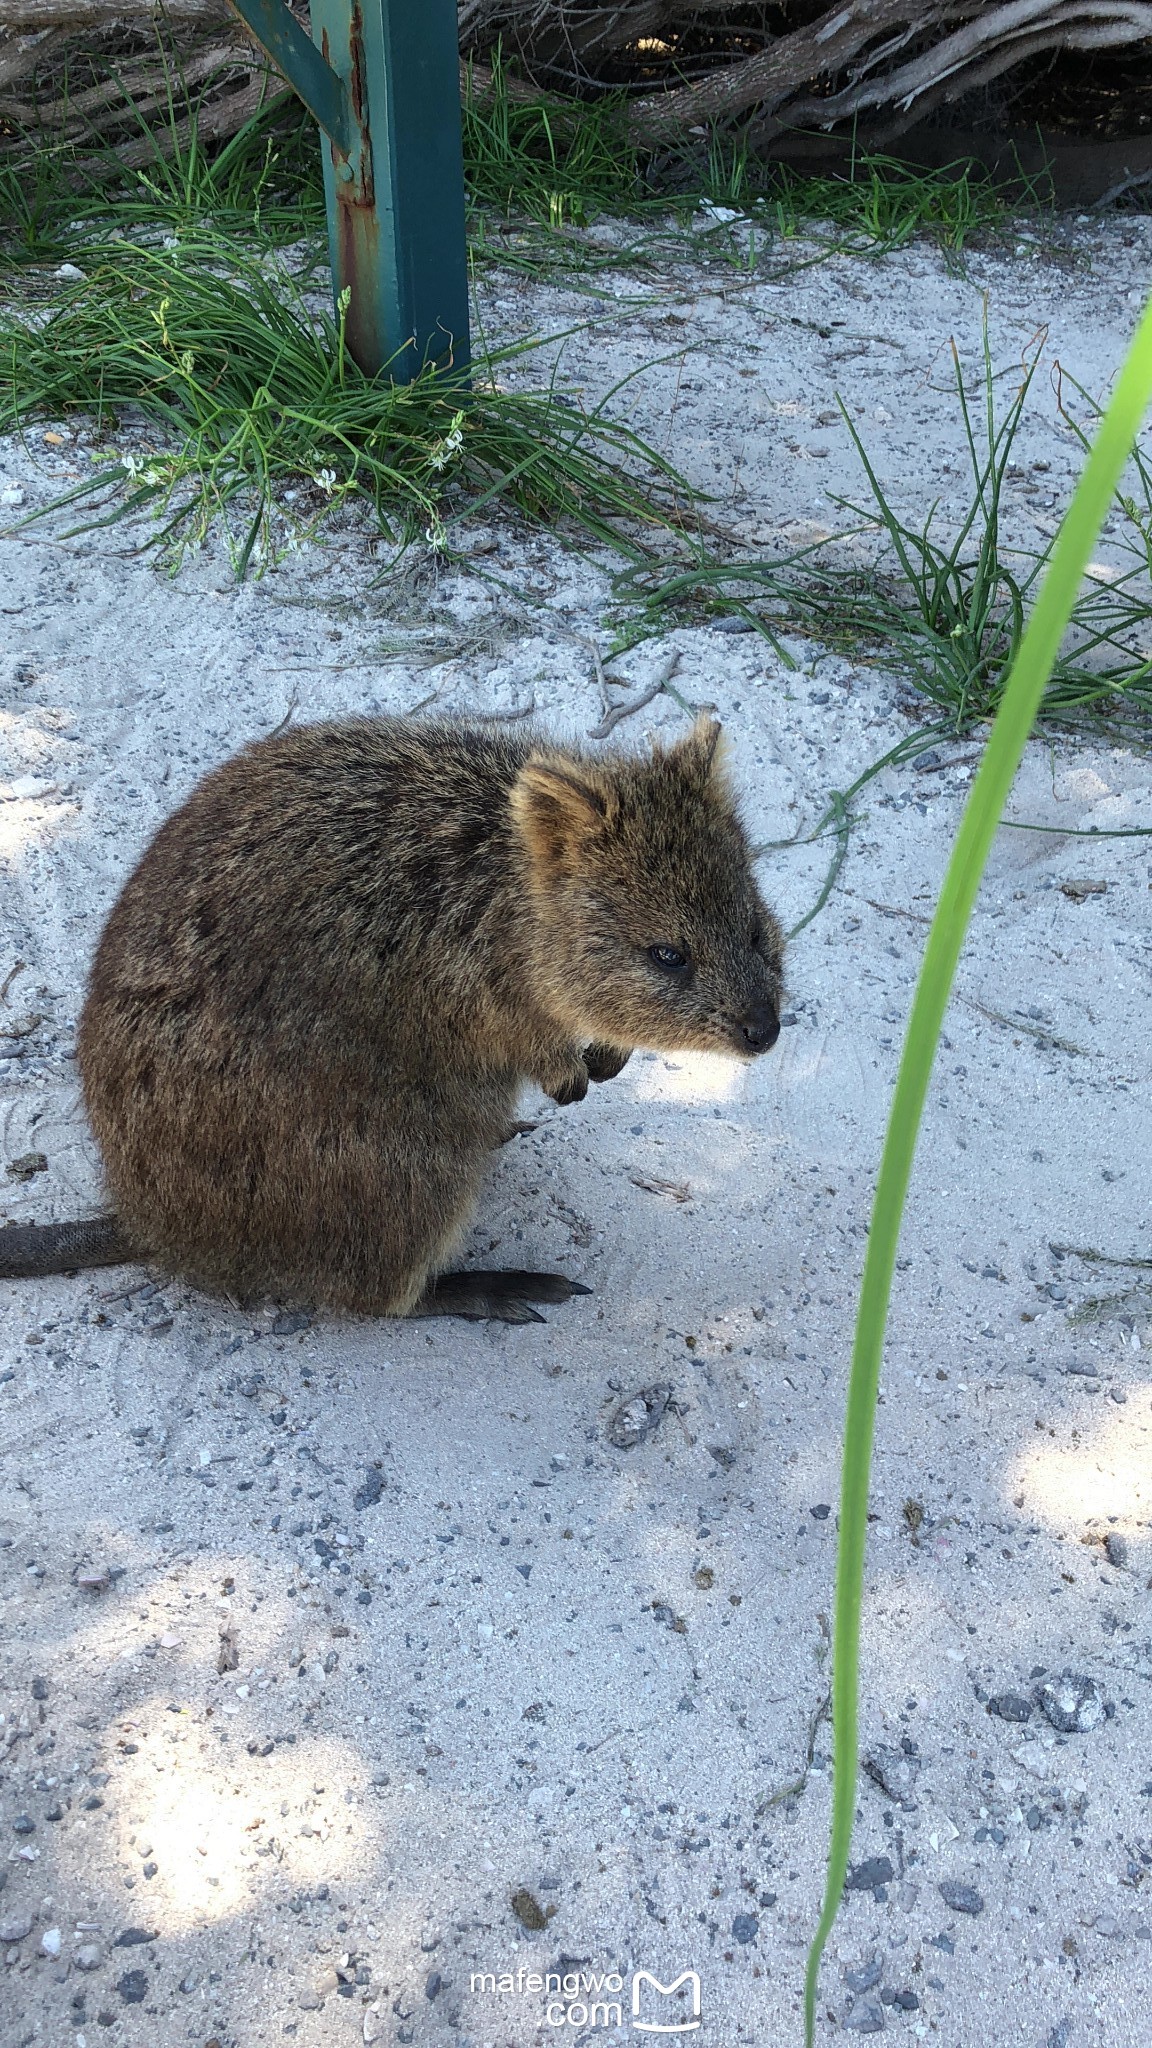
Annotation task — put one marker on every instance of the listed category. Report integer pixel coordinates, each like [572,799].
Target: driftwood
[685,64]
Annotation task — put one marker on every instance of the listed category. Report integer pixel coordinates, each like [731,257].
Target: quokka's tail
[29,1250]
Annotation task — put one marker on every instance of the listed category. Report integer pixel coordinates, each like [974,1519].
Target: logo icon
[642,1977]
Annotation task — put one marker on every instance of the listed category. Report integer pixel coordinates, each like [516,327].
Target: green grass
[556,162]
[945,607]
[244,391]
[1023,693]
[549,162]
[269,404]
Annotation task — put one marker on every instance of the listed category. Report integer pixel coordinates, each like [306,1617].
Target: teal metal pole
[384,86]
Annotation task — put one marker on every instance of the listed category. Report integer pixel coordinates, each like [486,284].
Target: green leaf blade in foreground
[1020,704]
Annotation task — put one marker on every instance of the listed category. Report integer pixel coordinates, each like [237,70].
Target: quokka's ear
[559,806]
[704,751]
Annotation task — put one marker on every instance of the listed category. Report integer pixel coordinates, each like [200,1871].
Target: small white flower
[445,450]
[326,478]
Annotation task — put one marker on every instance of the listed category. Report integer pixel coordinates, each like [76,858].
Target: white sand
[585,1672]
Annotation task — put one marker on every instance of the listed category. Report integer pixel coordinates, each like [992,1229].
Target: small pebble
[865,1977]
[371,1491]
[865,2017]
[50,1942]
[963,1898]
[745,1928]
[1116,1549]
[15,1929]
[875,1870]
[289,1321]
[27,1166]
[87,1957]
[1010,1707]
[1071,1703]
[133,1987]
[23,1824]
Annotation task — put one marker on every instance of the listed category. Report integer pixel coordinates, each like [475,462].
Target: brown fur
[318,995]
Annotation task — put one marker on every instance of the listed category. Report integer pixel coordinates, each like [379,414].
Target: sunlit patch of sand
[1106,1477]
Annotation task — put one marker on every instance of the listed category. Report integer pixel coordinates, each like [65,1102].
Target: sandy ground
[508,1694]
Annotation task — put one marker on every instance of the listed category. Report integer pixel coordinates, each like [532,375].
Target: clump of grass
[880,203]
[556,161]
[249,390]
[546,160]
[959,613]
[264,181]
[948,608]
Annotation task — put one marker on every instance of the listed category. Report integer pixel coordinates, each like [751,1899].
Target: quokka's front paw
[568,1084]
[604,1062]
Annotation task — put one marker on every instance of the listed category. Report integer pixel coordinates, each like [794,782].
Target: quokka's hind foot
[30,1250]
[499,1297]
[519,1129]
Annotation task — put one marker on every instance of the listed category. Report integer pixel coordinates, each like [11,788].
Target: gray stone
[865,1977]
[87,1957]
[1071,1703]
[873,1871]
[370,1491]
[963,1898]
[17,1928]
[1010,1706]
[865,2016]
[745,1928]
[1116,1549]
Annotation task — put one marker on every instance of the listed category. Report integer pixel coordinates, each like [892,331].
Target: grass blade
[1021,702]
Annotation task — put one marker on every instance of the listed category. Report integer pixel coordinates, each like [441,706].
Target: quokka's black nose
[760,1028]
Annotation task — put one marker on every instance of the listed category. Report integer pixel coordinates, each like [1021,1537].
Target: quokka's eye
[669,958]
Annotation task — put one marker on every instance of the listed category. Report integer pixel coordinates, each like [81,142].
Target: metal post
[384,87]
